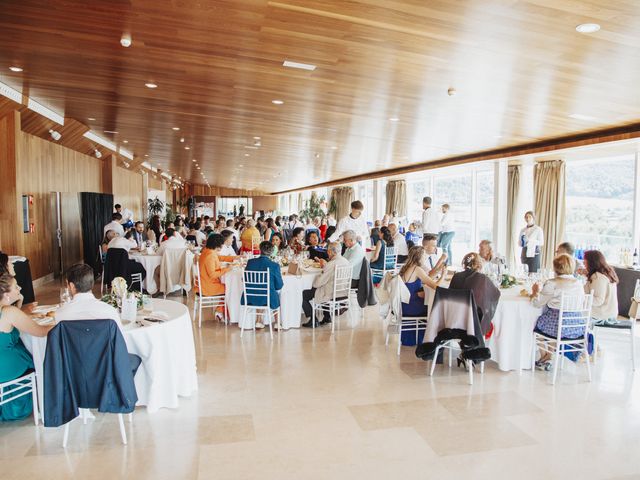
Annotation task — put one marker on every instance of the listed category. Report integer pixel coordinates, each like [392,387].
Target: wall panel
[128,191]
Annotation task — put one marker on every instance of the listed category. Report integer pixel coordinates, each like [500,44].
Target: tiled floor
[309,405]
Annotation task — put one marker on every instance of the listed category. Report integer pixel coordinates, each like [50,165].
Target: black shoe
[309,324]
[325,321]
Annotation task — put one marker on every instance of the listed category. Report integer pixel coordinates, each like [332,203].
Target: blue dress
[15,361]
[378,264]
[415,308]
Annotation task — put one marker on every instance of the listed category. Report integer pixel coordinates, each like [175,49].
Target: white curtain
[513,189]
[341,198]
[396,197]
[549,188]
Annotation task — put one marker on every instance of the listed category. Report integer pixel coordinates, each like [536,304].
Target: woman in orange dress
[211,271]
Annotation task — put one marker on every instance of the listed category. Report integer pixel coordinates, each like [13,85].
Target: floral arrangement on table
[508,281]
[119,290]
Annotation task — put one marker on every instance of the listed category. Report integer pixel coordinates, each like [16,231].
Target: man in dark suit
[261,264]
[137,234]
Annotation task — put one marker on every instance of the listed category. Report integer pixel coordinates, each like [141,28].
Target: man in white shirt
[434,259]
[174,240]
[122,242]
[127,215]
[85,306]
[445,239]
[402,251]
[114,225]
[430,218]
[354,254]
[485,250]
[354,221]
[293,222]
[236,235]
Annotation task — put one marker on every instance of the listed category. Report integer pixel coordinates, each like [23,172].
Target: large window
[456,191]
[416,191]
[484,204]
[599,211]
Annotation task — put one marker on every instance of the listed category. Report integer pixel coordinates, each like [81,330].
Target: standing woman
[270,230]
[531,239]
[323,228]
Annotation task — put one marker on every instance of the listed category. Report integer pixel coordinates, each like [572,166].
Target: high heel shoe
[463,363]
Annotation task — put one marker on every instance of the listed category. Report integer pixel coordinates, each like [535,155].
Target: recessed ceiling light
[181,139]
[175,129]
[91,119]
[256,138]
[125,40]
[125,141]
[587,118]
[15,69]
[146,155]
[277,102]
[187,148]
[587,28]
[111,131]
[194,160]
[394,119]
[151,85]
[246,154]
[301,66]
[334,148]
[197,168]
[241,165]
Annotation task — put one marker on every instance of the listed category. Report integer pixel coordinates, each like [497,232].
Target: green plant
[155,206]
[312,207]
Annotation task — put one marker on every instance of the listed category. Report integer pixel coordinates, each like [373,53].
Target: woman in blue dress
[377,259]
[15,360]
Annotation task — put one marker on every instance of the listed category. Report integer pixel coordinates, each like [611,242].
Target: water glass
[65,296]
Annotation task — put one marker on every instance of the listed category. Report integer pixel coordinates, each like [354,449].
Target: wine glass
[65,296]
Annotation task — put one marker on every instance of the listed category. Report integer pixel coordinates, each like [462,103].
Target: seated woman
[250,238]
[375,236]
[227,249]
[415,279]
[15,360]
[313,246]
[297,241]
[485,293]
[271,228]
[211,271]
[602,279]
[377,258]
[180,227]
[154,233]
[276,241]
[549,298]
[104,246]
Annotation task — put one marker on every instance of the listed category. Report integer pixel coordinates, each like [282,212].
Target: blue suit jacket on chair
[262,264]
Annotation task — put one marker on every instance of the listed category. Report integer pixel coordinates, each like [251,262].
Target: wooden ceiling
[521,71]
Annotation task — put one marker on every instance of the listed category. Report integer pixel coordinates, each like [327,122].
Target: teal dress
[15,361]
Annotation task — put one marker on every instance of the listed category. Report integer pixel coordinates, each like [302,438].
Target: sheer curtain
[342,197]
[396,197]
[513,189]
[549,188]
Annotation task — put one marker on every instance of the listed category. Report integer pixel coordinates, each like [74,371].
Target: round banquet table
[290,296]
[511,343]
[168,368]
[150,264]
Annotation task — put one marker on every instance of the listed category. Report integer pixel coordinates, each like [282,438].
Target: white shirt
[430,221]
[355,255]
[127,215]
[401,244]
[84,306]
[358,225]
[331,222]
[553,289]
[430,260]
[115,226]
[201,238]
[533,237]
[236,235]
[227,251]
[121,242]
[446,225]
[174,242]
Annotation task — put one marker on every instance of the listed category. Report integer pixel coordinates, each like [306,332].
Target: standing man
[354,221]
[430,218]
[445,238]
[127,215]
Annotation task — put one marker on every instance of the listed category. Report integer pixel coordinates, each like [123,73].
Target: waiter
[354,221]
[430,218]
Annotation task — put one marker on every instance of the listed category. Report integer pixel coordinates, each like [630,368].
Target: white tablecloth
[512,340]
[150,263]
[168,368]
[290,296]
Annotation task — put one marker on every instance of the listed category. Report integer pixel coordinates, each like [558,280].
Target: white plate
[44,309]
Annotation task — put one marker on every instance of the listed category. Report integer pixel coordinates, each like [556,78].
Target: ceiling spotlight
[194,160]
[246,154]
[151,85]
[394,119]
[146,155]
[257,143]
[111,131]
[125,141]
[334,148]
[587,28]
[176,129]
[187,148]
[317,155]
[181,139]
[197,168]
[125,40]
[277,102]
[97,153]
[55,135]
[241,165]
[15,69]
[451,92]
[256,138]
[91,119]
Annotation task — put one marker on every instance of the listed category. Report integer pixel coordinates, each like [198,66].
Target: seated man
[412,236]
[434,258]
[569,249]
[313,246]
[399,242]
[263,263]
[322,289]
[122,242]
[354,253]
[85,306]
[138,233]
[489,258]
[114,225]
[174,240]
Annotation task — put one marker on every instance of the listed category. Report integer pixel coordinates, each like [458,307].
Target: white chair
[580,308]
[84,415]
[629,325]
[136,278]
[339,299]
[201,301]
[389,265]
[452,345]
[101,257]
[407,324]
[256,285]
[13,389]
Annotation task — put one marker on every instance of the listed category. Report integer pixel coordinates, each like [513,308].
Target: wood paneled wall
[44,167]
[9,220]
[128,191]
[265,202]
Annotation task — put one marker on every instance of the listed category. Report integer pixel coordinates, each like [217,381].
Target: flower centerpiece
[508,281]
[119,291]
